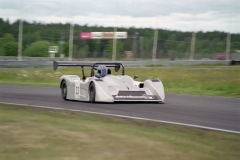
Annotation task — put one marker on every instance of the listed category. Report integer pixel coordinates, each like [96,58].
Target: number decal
[77,89]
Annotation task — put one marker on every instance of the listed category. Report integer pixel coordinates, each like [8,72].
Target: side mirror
[135,77]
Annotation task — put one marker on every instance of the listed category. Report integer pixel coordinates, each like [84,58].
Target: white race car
[102,86]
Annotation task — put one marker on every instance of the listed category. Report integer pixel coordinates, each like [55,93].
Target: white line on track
[130,117]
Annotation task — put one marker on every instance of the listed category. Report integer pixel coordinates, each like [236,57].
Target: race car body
[110,88]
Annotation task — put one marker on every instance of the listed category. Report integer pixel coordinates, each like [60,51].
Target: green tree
[38,49]
[10,49]
[148,46]
[66,49]
[7,38]
[168,40]
[83,51]
[120,49]
[181,47]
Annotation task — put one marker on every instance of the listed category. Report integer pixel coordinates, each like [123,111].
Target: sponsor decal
[120,35]
[105,35]
[144,96]
[85,35]
[96,35]
[108,35]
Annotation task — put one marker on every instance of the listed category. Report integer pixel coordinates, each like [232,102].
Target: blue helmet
[102,71]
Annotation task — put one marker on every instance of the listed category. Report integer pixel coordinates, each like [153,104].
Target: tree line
[37,37]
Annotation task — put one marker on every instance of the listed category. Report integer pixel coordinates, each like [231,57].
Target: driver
[102,71]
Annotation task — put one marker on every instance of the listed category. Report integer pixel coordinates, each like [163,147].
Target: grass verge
[33,133]
[200,80]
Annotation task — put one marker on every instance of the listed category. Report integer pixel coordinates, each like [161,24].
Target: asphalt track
[219,113]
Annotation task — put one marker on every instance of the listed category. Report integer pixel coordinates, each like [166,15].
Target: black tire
[92,93]
[64,90]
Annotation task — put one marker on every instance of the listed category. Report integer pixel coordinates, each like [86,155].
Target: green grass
[28,133]
[200,80]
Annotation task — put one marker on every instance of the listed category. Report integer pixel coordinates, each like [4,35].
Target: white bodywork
[113,88]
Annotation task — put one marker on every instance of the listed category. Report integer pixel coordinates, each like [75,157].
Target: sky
[181,15]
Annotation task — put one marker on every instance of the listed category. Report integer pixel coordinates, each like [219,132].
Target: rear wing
[116,65]
[65,63]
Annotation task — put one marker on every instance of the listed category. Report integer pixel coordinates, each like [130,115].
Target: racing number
[77,89]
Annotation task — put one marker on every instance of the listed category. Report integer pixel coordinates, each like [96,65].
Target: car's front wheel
[92,93]
[64,90]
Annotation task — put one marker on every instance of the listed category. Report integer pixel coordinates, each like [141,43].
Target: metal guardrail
[34,62]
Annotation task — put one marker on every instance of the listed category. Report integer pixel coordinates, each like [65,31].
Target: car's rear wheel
[92,93]
[64,90]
